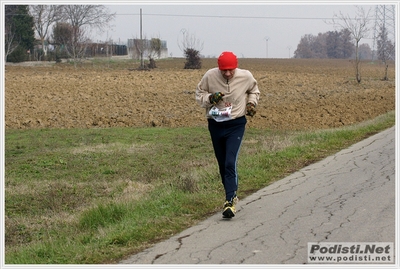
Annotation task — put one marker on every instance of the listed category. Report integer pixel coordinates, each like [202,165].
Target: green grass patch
[93,196]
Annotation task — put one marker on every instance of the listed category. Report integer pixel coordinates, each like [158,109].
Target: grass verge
[93,196]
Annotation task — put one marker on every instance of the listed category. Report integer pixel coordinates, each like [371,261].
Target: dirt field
[295,94]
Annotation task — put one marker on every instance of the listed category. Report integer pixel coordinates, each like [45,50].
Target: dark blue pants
[226,139]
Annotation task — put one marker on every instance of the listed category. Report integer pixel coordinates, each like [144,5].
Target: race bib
[221,114]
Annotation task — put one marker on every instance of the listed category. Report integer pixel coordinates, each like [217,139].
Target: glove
[216,97]
[250,109]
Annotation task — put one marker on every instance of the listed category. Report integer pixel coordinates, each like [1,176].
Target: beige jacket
[239,90]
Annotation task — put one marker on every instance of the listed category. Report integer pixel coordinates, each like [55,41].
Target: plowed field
[295,94]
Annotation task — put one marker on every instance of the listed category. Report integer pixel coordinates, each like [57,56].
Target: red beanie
[227,61]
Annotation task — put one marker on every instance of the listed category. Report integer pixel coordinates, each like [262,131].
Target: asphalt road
[347,197]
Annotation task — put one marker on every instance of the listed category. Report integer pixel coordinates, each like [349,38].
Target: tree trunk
[358,75]
[386,71]
[44,48]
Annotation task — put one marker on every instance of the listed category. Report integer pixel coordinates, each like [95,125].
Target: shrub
[193,60]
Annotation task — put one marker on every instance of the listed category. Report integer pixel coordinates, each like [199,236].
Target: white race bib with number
[221,114]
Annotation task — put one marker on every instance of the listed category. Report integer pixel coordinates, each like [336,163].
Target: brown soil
[295,94]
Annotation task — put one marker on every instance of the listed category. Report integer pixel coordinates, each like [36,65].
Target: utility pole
[141,42]
[384,17]
[266,39]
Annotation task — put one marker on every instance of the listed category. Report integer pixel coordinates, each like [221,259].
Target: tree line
[332,45]
[340,45]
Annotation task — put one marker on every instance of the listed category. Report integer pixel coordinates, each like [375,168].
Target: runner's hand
[216,97]
[250,109]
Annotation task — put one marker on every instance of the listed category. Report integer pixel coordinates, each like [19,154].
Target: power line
[207,16]
[225,16]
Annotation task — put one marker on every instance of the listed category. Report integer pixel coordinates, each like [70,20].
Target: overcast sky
[242,27]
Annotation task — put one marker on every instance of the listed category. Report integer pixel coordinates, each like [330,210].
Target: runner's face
[228,74]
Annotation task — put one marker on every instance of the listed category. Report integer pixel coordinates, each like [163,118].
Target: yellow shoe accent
[229,210]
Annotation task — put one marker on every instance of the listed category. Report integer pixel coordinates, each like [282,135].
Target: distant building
[105,49]
[108,49]
[134,49]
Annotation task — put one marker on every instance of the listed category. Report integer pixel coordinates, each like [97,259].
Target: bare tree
[385,49]
[139,45]
[150,48]
[78,44]
[155,48]
[189,41]
[92,16]
[84,18]
[191,47]
[73,40]
[358,27]
[45,16]
[154,51]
